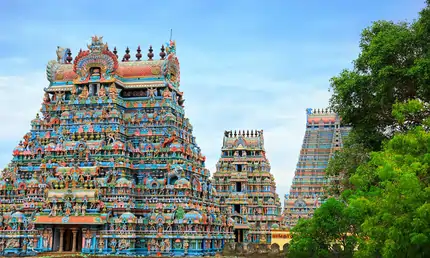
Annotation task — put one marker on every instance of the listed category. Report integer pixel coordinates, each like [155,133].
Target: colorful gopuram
[246,188]
[110,165]
[323,137]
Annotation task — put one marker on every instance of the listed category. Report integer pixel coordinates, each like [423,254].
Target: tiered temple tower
[324,135]
[111,165]
[246,188]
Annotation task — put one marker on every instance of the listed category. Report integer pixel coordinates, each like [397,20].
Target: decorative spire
[150,54]
[69,57]
[115,52]
[138,55]
[162,53]
[127,55]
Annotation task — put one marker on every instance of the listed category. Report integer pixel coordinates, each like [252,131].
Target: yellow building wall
[280,237]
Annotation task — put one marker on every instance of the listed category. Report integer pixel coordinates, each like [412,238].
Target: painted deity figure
[84,94]
[102,92]
[167,245]
[112,91]
[101,244]
[152,93]
[30,244]
[59,97]
[167,94]
[2,244]
[88,238]
[46,98]
[46,237]
[186,245]
[113,245]
[25,245]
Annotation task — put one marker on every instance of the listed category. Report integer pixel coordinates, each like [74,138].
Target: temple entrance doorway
[68,239]
[238,233]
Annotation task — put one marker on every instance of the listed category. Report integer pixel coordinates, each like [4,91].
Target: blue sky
[244,64]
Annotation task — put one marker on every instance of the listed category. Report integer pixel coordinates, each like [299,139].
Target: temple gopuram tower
[323,137]
[246,188]
[110,165]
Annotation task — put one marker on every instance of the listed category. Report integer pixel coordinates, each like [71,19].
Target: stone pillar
[62,230]
[75,233]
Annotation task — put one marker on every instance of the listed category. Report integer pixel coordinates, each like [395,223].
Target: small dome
[51,179]
[182,184]
[275,226]
[65,114]
[193,215]
[169,116]
[175,145]
[32,181]
[123,182]
[128,216]
[19,147]
[114,113]
[36,121]
[18,217]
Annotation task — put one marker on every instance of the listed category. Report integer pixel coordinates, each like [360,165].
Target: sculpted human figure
[46,98]
[166,93]
[152,92]
[59,97]
[84,94]
[102,92]
[112,91]
[88,238]
[74,91]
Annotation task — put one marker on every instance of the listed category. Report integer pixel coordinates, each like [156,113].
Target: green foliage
[393,66]
[397,223]
[328,229]
[386,91]
[344,164]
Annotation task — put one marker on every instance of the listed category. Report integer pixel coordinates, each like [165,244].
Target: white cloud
[20,99]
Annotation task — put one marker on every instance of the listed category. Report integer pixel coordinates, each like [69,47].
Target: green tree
[397,216]
[393,66]
[327,234]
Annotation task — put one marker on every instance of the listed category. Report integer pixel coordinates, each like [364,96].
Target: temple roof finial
[150,54]
[138,55]
[115,52]
[69,57]
[162,53]
[127,55]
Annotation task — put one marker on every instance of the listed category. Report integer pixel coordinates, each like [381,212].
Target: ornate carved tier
[246,188]
[323,136]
